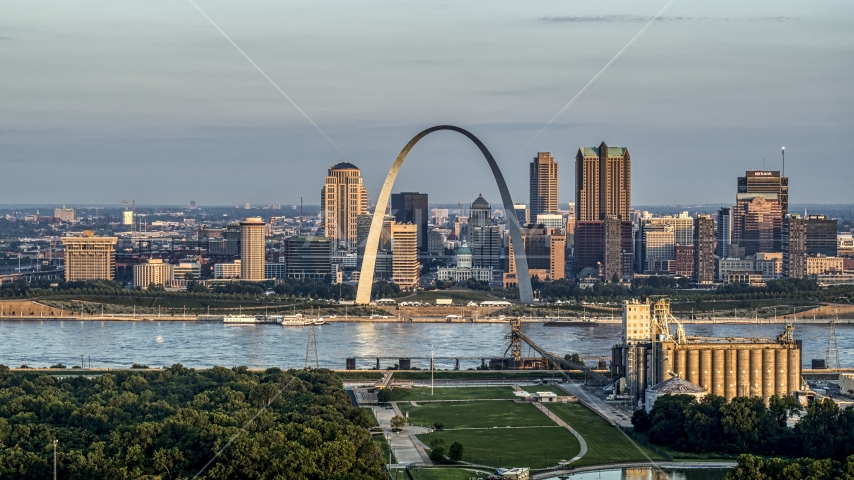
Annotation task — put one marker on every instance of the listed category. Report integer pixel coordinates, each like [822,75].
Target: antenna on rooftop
[783,150]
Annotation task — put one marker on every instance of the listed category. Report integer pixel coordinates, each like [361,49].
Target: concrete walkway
[561,423]
[606,410]
[406,448]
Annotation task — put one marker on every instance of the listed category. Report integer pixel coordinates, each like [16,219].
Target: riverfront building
[252,243]
[153,272]
[89,257]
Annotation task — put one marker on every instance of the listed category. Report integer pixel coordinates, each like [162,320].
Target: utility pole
[55,441]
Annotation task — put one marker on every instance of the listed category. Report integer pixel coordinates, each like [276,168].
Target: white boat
[319,321]
[296,320]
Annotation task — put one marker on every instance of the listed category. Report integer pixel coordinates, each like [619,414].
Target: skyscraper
[89,257]
[521,213]
[794,247]
[252,248]
[603,230]
[543,176]
[342,200]
[603,178]
[821,235]
[308,257]
[757,226]
[485,238]
[723,235]
[411,207]
[404,253]
[704,250]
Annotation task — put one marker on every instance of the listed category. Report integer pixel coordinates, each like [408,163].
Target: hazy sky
[103,101]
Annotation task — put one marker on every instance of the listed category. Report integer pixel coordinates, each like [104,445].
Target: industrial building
[650,353]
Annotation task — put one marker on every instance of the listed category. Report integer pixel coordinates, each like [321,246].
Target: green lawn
[512,447]
[463,393]
[381,441]
[476,414]
[447,474]
[605,443]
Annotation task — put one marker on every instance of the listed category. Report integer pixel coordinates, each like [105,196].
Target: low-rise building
[153,272]
[821,265]
[227,270]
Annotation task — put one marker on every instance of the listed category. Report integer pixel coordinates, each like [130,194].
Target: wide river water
[120,344]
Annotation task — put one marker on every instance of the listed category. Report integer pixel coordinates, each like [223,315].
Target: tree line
[170,424]
[747,425]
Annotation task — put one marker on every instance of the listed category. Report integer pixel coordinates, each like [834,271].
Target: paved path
[407,449]
[606,410]
[561,423]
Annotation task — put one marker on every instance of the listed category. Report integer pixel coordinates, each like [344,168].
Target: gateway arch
[363,294]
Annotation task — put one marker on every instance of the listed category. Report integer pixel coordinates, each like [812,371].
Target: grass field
[447,474]
[476,414]
[463,393]
[381,441]
[605,443]
[512,447]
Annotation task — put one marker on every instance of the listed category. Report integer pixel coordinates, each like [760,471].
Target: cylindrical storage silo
[794,369]
[768,360]
[755,372]
[706,370]
[718,372]
[693,366]
[666,362]
[781,365]
[681,368]
[730,374]
[743,380]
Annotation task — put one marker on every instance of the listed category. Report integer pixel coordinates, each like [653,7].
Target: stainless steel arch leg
[363,294]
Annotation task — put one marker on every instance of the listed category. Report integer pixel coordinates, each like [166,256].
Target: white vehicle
[616,398]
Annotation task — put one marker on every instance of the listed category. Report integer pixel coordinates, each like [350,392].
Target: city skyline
[125,111]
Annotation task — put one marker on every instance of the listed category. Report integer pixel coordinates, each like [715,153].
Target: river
[42,343]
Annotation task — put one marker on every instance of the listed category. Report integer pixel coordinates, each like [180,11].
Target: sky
[104,101]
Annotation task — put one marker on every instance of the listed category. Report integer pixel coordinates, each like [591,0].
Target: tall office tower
[704,250]
[411,207]
[252,242]
[794,246]
[543,176]
[405,269]
[484,237]
[521,213]
[363,228]
[723,235]
[757,223]
[754,234]
[545,250]
[342,200]
[308,257]
[602,183]
[89,257]
[603,192]
[767,182]
[821,235]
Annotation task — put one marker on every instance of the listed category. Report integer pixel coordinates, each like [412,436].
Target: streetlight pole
[55,441]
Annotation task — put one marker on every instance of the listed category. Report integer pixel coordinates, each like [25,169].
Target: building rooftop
[343,166]
[480,202]
[677,385]
[594,151]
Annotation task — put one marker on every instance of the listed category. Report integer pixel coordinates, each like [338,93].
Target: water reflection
[43,343]
[648,473]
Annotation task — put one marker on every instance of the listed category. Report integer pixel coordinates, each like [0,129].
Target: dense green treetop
[169,424]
